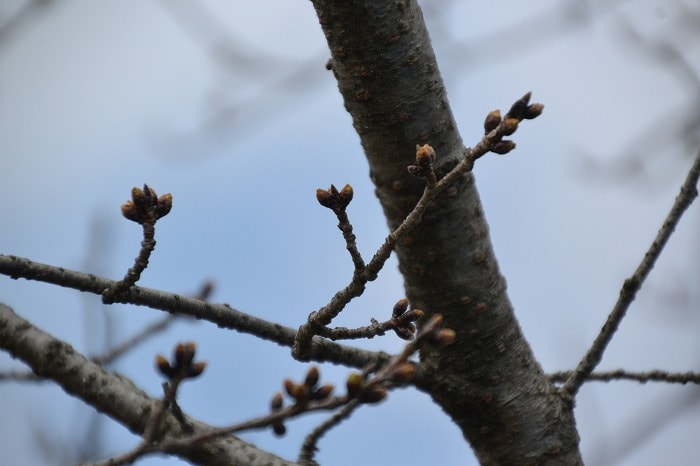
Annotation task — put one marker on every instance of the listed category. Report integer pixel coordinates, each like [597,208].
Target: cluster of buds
[301,393]
[309,390]
[182,366]
[145,204]
[334,199]
[522,109]
[402,320]
[425,157]
[366,392]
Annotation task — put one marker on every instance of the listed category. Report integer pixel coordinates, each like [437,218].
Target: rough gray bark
[117,396]
[488,382]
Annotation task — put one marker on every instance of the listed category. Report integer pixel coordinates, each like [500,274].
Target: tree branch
[222,315]
[116,395]
[592,358]
[682,378]
[488,382]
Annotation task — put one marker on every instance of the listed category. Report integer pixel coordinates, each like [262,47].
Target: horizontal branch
[682,378]
[222,315]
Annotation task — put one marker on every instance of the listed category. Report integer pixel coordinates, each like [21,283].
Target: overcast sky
[228,106]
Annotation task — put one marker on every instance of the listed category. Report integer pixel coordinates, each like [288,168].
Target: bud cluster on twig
[334,199]
[506,126]
[182,365]
[302,393]
[145,205]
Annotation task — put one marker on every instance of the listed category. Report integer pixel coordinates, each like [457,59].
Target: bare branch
[688,193]
[641,377]
[222,315]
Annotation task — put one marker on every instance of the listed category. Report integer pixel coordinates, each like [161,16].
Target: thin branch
[222,315]
[309,447]
[492,141]
[688,193]
[641,377]
[144,208]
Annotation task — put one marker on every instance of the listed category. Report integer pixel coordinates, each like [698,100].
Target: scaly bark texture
[117,396]
[488,382]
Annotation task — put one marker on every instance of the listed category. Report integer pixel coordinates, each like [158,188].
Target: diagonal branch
[116,395]
[688,193]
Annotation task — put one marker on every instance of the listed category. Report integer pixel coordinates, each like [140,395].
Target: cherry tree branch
[116,395]
[222,315]
[688,193]
[682,378]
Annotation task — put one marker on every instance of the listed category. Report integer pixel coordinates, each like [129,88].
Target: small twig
[495,129]
[145,208]
[255,423]
[309,447]
[641,377]
[222,315]
[688,193]
[401,324]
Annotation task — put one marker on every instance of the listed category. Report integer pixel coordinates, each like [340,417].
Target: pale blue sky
[97,97]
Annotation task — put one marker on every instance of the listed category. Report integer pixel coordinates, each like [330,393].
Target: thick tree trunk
[488,382]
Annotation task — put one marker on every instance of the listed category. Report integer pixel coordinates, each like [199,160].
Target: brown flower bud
[279,429]
[184,353]
[405,332]
[375,395]
[493,119]
[163,206]
[150,193]
[311,377]
[533,111]
[400,307]
[413,315]
[503,147]
[322,392]
[509,126]
[345,196]
[196,369]
[518,109]
[325,198]
[425,155]
[299,392]
[130,212]
[164,366]
[277,402]
[444,337]
[403,373]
